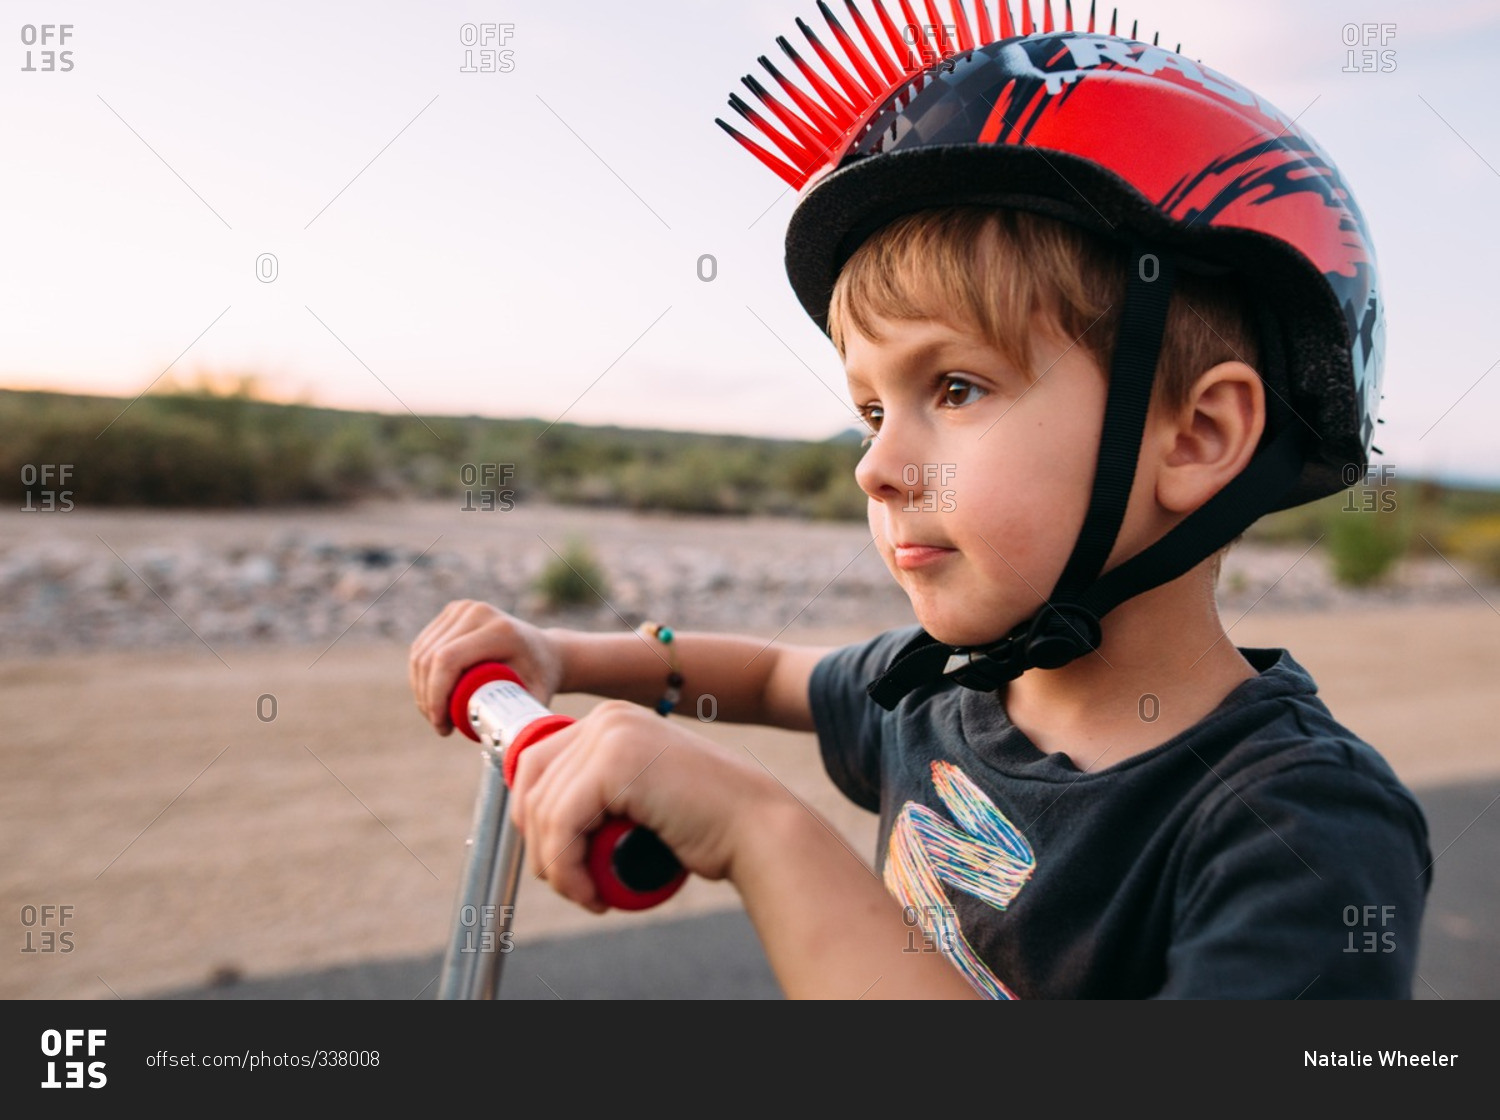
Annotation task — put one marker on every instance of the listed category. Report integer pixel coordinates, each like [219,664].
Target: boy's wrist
[594,663]
[564,645]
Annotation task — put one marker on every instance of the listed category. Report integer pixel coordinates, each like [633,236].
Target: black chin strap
[1068,625]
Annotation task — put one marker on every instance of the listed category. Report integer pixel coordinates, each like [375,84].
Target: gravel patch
[149,580]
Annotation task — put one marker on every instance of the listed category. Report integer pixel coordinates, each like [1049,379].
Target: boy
[1121,307]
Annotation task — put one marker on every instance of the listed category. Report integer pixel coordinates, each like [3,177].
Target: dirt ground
[196,841]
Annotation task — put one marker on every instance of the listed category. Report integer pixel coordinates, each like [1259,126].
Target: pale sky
[527,243]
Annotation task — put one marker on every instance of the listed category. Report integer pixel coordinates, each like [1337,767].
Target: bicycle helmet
[1188,168]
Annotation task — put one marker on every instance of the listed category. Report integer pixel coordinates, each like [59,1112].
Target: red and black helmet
[1140,145]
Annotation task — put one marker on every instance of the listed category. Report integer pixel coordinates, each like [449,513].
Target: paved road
[718,956]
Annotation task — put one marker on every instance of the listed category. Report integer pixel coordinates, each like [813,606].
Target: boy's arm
[829,927]
[747,679]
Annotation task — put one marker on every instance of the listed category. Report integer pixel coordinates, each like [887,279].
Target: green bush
[842,500]
[573,578]
[216,443]
[349,460]
[1364,546]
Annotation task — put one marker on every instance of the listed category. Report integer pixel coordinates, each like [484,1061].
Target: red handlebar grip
[533,733]
[473,679]
[631,868]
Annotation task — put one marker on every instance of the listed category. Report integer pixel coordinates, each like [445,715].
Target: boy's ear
[1211,438]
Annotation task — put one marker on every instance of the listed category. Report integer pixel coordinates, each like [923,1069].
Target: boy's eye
[957,392]
[872,414]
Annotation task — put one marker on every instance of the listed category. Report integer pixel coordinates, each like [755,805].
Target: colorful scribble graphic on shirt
[984,856]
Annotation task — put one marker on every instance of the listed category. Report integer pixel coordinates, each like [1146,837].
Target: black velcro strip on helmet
[1253,492]
[1132,372]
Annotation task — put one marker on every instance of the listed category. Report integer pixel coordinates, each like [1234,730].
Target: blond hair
[994,270]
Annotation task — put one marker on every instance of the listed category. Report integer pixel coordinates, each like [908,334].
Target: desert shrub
[841,500]
[349,461]
[701,479]
[572,578]
[807,470]
[1363,547]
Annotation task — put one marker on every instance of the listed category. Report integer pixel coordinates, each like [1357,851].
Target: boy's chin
[970,631]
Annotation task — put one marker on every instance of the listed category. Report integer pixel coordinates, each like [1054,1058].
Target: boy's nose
[879,472]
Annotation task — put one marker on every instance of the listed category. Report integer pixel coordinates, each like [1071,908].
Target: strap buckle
[1057,634]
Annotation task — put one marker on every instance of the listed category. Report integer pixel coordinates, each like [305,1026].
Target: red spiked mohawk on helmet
[826,126]
[1137,144]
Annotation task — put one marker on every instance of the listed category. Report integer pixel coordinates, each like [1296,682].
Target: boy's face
[979,474]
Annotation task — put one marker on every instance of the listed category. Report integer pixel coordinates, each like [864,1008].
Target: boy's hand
[466,633]
[624,760]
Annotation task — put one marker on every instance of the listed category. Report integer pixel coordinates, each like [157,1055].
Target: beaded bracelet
[664,635]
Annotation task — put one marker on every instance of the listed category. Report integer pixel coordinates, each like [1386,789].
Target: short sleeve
[847,721]
[1308,882]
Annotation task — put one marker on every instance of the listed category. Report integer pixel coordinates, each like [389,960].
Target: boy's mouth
[910,555]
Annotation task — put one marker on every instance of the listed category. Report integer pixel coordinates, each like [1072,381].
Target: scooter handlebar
[630,866]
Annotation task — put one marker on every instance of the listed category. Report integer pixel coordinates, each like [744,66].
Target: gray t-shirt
[1265,852]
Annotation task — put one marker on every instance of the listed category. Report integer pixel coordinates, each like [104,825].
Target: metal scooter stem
[630,866]
[487,892]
